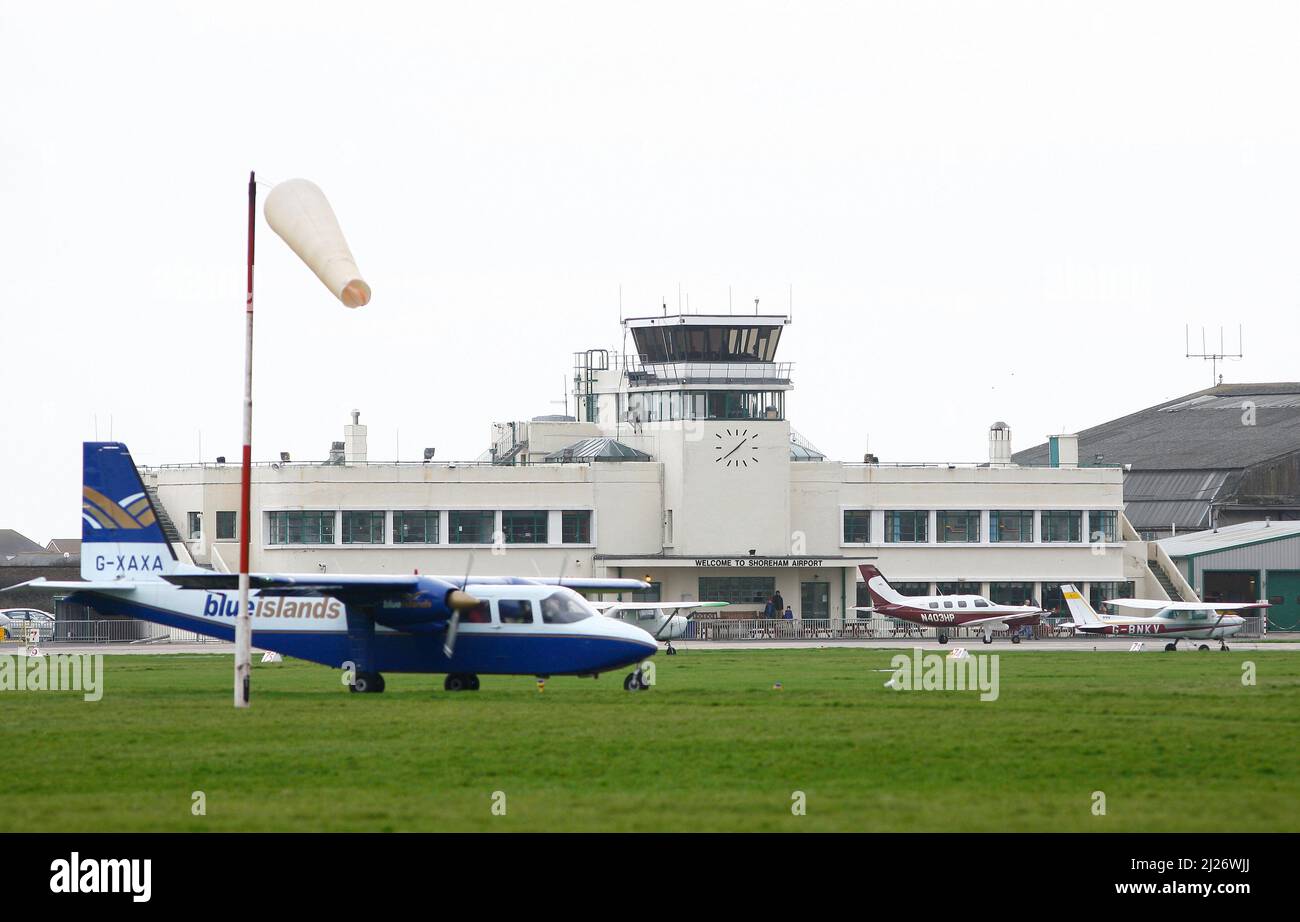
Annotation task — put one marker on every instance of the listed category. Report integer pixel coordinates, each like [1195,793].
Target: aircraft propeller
[458,600]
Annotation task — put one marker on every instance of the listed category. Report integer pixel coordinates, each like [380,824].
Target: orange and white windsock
[298,211]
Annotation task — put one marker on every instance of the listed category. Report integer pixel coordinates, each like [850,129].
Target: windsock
[298,211]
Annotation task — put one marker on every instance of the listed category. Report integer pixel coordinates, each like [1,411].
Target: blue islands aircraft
[461,627]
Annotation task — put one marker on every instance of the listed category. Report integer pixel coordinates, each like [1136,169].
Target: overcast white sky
[986,210]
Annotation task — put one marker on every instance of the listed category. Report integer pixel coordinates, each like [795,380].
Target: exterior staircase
[164,520]
[1163,579]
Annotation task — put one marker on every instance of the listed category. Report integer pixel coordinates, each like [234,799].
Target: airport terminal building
[679,466]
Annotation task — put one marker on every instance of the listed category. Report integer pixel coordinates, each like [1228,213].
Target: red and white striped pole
[243,623]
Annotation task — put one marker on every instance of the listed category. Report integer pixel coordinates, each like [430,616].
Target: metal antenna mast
[1214,358]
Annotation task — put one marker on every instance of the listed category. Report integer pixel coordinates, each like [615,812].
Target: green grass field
[1175,742]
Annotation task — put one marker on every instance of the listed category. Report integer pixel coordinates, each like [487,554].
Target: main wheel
[633,681]
[473,682]
[1171,648]
[455,682]
[366,682]
[943,638]
[988,638]
[1204,646]
[1015,638]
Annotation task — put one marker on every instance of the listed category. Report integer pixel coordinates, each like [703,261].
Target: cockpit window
[563,608]
[515,611]
[479,614]
[980,603]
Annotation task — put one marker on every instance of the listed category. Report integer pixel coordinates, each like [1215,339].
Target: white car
[16,621]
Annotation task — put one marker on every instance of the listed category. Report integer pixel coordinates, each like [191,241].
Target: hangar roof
[1220,539]
[1202,431]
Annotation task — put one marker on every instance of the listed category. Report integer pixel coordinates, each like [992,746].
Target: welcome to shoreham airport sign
[813,562]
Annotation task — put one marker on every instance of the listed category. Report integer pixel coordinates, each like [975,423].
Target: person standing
[778,603]
[769,609]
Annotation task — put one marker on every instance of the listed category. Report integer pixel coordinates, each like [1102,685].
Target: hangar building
[1244,563]
[1220,456]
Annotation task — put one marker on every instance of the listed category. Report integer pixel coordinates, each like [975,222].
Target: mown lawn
[1175,742]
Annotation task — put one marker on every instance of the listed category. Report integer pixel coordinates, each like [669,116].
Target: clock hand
[734,450]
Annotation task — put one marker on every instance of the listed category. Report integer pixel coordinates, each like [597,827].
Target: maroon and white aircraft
[946,611]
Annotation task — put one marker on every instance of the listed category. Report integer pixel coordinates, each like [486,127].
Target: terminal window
[738,590]
[857,526]
[575,526]
[195,523]
[1062,525]
[1011,525]
[526,526]
[907,526]
[470,526]
[418,527]
[1011,593]
[960,527]
[958,588]
[363,527]
[1103,526]
[1100,593]
[301,527]
[225,526]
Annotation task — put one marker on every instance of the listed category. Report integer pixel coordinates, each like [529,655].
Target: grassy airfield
[1175,742]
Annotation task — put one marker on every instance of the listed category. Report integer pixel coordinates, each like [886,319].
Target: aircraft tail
[881,592]
[1080,610]
[120,534]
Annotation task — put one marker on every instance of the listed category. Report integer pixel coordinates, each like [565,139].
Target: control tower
[704,395]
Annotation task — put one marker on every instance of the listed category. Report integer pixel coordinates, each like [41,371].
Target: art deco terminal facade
[680,466]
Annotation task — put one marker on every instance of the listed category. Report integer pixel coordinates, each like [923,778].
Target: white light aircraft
[1174,620]
[662,620]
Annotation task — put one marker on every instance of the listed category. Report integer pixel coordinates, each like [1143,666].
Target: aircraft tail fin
[121,537]
[1080,610]
[881,592]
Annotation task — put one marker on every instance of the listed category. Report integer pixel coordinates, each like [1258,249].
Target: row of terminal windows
[666,406]
[964,526]
[416,526]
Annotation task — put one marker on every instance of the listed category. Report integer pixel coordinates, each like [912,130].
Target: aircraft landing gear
[943,638]
[1171,647]
[988,638]
[364,682]
[633,682]
[1203,646]
[1015,638]
[460,681]
[1223,646]
[671,651]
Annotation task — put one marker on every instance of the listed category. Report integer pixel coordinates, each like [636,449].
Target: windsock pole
[243,624]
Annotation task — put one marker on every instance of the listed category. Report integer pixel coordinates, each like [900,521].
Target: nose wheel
[367,683]
[634,682]
[671,651]
[988,638]
[460,681]
[943,638]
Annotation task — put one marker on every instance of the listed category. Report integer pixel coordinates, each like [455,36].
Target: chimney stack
[354,440]
[999,444]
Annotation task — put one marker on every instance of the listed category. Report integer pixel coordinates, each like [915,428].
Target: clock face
[735,448]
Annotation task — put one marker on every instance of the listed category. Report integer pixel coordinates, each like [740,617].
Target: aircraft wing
[1005,616]
[1157,605]
[113,585]
[606,607]
[593,583]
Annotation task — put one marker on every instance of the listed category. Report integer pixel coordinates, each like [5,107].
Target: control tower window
[668,406]
[707,343]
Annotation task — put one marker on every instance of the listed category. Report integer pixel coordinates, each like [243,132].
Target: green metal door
[814,600]
[1284,593]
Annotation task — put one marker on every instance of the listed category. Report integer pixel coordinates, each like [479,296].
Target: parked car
[16,621]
